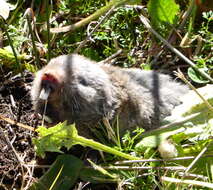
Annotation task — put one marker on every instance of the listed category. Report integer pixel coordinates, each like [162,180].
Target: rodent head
[47,87]
[76,89]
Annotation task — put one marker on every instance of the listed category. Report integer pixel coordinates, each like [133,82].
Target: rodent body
[87,92]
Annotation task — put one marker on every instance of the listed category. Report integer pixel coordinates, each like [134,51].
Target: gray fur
[91,91]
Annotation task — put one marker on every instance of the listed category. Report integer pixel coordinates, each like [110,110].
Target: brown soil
[16,150]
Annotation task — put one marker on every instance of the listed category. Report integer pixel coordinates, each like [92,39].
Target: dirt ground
[16,148]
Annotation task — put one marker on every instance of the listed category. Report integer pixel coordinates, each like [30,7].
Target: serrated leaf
[196,77]
[162,11]
[4,9]
[53,138]
[61,175]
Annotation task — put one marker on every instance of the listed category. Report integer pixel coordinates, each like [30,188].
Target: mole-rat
[84,92]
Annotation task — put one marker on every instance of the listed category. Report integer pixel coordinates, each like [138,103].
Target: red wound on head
[50,78]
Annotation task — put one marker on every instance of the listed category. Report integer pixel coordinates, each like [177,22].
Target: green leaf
[61,175]
[162,11]
[30,67]
[196,77]
[154,141]
[149,142]
[53,138]
[8,59]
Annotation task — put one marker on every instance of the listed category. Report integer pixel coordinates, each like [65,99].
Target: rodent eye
[83,81]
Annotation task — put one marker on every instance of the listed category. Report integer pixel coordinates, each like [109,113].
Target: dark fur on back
[92,91]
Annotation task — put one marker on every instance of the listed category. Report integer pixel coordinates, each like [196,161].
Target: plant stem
[48,31]
[88,19]
[99,146]
[29,19]
[187,182]
[5,26]
[94,29]
[16,11]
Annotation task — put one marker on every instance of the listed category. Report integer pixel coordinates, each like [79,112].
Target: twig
[140,7]
[172,168]
[16,155]
[29,16]
[88,19]
[198,157]
[30,174]
[193,175]
[186,181]
[12,122]
[94,29]
[178,53]
[158,160]
[36,166]
[112,56]
[48,30]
